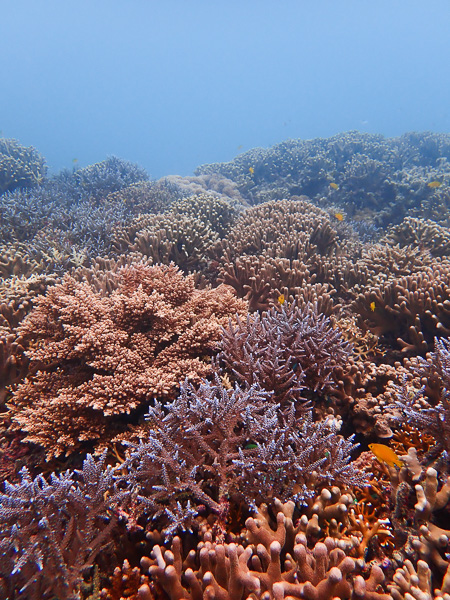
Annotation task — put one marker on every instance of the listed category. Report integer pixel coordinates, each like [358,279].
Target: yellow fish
[434,184]
[281,298]
[334,186]
[339,216]
[252,170]
[385,454]
[372,306]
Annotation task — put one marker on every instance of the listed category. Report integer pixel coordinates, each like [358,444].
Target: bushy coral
[212,446]
[20,166]
[429,407]
[285,350]
[97,356]
[52,531]
[100,179]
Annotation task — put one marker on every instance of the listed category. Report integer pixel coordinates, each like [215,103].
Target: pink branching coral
[99,355]
[284,350]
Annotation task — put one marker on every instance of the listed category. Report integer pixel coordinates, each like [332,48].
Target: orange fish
[281,299]
[339,216]
[334,186]
[385,454]
[434,184]
[252,170]
[372,306]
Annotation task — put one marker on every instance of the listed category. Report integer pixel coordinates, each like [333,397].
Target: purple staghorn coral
[212,446]
[285,350]
[429,408]
[52,531]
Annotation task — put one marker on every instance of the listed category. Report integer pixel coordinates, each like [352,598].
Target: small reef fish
[339,216]
[434,184]
[281,299]
[334,186]
[385,454]
[251,170]
[372,306]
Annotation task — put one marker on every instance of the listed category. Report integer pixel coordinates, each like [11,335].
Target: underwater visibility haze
[172,85]
[224,301]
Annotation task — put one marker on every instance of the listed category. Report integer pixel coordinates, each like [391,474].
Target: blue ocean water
[172,85]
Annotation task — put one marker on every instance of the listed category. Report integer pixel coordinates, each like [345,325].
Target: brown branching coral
[422,234]
[102,355]
[408,312]
[386,261]
[276,228]
[17,295]
[282,247]
[186,234]
[261,280]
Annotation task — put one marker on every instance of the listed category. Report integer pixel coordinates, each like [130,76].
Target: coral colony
[229,386]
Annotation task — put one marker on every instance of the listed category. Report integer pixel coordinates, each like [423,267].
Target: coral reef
[371,175]
[257,360]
